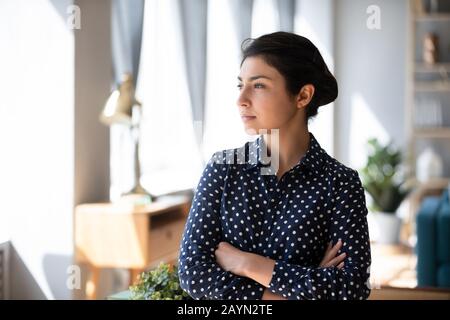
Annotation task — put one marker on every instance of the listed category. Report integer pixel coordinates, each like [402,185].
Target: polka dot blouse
[290,220]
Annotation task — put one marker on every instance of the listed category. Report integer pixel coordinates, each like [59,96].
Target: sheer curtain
[223,127]
[265,17]
[170,157]
[126,36]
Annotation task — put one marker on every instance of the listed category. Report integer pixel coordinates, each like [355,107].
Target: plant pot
[388,225]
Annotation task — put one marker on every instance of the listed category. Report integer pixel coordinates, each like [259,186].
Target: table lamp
[123,108]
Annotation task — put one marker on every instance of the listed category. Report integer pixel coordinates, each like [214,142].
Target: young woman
[299,233]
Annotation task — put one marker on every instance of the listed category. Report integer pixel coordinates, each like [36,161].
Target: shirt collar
[311,160]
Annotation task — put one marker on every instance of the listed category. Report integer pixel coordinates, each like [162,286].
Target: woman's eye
[256,86]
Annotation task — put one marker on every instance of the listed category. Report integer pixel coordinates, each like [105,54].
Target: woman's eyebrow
[255,78]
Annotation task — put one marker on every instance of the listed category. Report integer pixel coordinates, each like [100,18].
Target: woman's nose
[242,100]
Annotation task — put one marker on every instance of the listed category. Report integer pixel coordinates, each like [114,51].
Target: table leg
[134,275]
[92,283]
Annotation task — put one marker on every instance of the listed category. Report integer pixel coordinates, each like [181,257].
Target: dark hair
[299,61]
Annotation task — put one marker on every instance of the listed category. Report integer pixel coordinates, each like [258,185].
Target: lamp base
[138,196]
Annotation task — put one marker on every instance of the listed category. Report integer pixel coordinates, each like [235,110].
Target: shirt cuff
[275,284]
[249,290]
[283,277]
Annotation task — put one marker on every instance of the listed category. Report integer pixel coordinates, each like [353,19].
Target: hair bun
[327,88]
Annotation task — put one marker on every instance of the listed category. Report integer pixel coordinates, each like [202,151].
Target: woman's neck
[291,147]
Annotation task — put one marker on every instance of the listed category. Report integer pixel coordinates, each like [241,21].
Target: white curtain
[126,37]
[223,127]
[170,158]
[265,17]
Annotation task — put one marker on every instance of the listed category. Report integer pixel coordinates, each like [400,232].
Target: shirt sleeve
[348,223]
[200,276]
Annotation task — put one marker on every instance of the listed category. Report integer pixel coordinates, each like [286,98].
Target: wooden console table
[124,236]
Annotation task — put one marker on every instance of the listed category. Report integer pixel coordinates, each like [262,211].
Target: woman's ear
[305,95]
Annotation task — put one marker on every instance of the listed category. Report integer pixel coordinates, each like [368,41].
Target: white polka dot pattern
[290,220]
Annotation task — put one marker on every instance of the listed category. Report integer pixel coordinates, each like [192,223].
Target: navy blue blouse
[290,220]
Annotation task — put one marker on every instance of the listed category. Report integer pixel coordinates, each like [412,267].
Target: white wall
[370,68]
[36,141]
[54,153]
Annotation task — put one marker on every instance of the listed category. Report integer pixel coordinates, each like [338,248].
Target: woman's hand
[245,264]
[269,295]
[231,258]
[238,262]
[330,259]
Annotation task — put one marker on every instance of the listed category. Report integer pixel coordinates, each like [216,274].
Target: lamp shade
[119,106]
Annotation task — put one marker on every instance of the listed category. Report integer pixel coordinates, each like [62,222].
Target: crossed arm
[260,268]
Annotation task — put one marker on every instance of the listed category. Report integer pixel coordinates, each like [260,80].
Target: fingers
[224,245]
[336,248]
[336,261]
[332,252]
[330,258]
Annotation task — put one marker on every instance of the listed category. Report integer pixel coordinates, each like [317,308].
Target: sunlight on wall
[36,137]
[363,126]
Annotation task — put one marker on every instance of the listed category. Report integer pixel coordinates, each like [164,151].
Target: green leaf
[382,177]
[161,283]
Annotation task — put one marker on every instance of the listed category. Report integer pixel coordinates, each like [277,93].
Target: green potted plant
[161,283]
[385,182]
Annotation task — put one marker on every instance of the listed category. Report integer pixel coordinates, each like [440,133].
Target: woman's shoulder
[338,171]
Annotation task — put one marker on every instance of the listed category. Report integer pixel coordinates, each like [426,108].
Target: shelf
[421,67]
[442,17]
[432,86]
[443,133]
[430,82]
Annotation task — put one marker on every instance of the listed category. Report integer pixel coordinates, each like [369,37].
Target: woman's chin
[250,130]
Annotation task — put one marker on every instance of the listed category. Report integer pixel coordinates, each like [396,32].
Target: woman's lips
[247,118]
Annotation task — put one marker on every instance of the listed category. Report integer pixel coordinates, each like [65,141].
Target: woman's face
[264,102]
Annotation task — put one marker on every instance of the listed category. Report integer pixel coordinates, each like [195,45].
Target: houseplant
[385,181]
[161,283]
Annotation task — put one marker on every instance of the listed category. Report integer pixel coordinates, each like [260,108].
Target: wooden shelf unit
[426,81]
